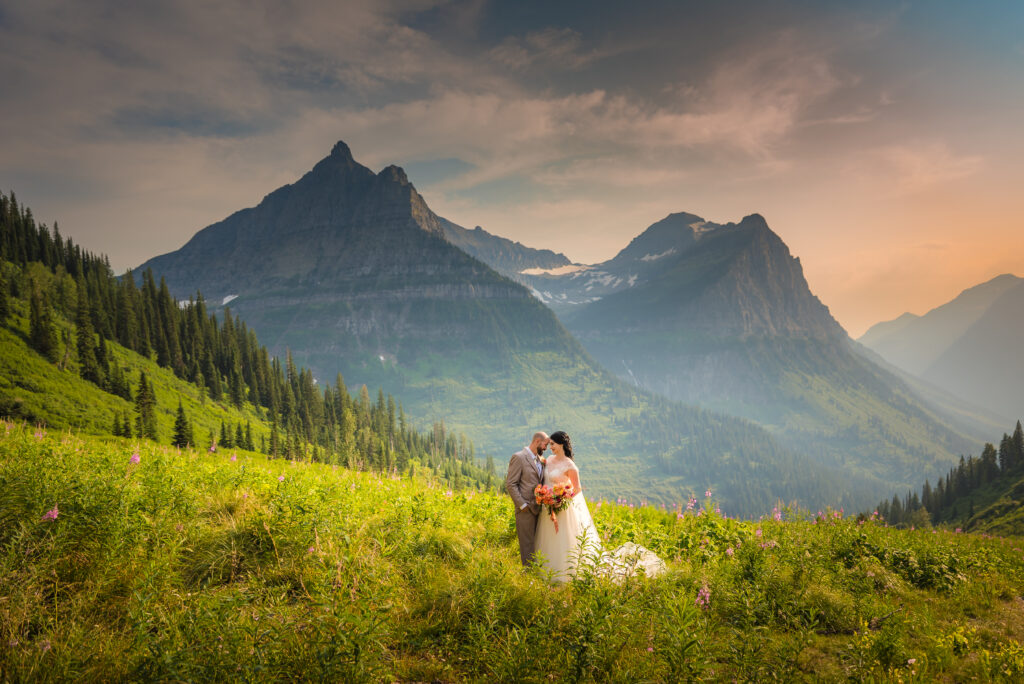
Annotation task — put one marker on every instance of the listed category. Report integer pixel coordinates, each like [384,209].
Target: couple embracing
[565,536]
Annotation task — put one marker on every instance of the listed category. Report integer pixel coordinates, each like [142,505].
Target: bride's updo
[563,439]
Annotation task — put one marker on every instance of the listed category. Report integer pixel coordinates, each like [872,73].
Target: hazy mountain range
[969,347]
[353,273]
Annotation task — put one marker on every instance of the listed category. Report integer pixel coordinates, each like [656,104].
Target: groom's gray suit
[525,472]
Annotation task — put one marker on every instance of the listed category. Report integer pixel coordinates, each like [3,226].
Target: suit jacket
[522,478]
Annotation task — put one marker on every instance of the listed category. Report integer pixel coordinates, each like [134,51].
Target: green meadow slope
[126,561]
[35,390]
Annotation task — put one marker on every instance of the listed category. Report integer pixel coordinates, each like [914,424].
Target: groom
[525,472]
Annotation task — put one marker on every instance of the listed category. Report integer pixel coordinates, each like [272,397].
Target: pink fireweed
[703,600]
[233,458]
[280,478]
[729,552]
[708,493]
[50,514]
[135,458]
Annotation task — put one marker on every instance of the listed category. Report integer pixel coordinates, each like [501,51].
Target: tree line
[222,357]
[950,499]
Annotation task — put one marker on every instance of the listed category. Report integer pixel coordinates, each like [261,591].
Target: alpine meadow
[509,341]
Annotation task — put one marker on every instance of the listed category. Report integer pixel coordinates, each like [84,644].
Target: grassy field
[129,561]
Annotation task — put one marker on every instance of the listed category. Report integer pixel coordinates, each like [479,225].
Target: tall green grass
[188,566]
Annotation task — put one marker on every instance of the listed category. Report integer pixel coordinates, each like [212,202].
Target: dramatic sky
[882,141]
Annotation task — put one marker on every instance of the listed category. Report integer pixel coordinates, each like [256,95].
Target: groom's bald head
[539,442]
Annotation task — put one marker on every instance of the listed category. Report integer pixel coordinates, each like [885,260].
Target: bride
[562,548]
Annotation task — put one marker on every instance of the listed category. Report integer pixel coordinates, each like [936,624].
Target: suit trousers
[526,530]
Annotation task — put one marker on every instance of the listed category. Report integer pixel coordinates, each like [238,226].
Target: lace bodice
[558,471]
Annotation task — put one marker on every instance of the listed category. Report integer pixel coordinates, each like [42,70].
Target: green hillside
[35,390]
[982,494]
[128,562]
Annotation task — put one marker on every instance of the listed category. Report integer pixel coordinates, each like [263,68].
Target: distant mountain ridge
[353,273]
[721,316]
[969,347]
[505,256]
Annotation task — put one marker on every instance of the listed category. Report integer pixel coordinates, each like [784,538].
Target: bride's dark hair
[563,439]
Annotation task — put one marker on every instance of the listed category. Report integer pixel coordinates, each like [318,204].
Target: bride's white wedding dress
[577,542]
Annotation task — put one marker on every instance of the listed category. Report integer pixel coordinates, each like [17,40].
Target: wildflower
[911,661]
[958,530]
[179,527]
[757,532]
[448,494]
[280,478]
[776,513]
[718,510]
[135,457]
[650,649]
[679,516]
[233,458]
[690,504]
[708,493]
[703,599]
[45,645]
[729,552]
[50,514]
[310,550]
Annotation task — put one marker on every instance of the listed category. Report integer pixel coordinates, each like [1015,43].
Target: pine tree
[5,306]
[249,446]
[182,429]
[225,437]
[116,428]
[126,425]
[88,366]
[1018,446]
[275,441]
[145,410]
[42,334]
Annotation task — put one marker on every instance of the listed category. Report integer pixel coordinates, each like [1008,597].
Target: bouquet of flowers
[556,498]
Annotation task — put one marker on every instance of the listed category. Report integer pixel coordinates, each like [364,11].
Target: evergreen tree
[5,306]
[1018,446]
[116,428]
[42,334]
[88,366]
[145,409]
[225,437]
[1006,454]
[182,429]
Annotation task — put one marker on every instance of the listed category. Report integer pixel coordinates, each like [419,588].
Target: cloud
[550,47]
[918,165]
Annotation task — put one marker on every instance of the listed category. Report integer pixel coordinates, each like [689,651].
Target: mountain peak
[394,173]
[341,151]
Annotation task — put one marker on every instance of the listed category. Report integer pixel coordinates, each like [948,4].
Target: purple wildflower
[708,493]
[729,552]
[135,457]
[280,478]
[234,458]
[703,599]
[757,532]
[50,514]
